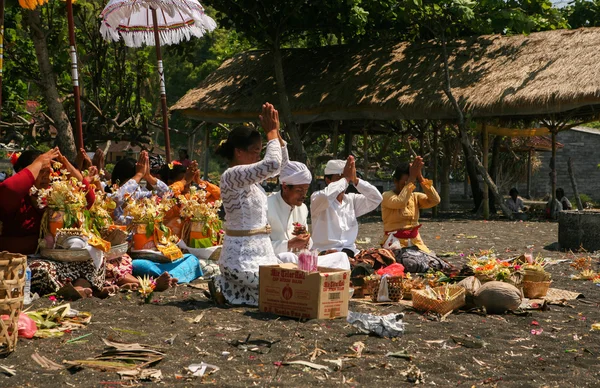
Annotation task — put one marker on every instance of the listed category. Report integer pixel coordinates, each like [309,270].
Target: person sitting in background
[184,158]
[562,198]
[400,207]
[515,203]
[288,217]
[127,175]
[335,213]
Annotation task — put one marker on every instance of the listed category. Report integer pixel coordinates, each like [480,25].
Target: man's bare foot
[163,282]
[106,292]
[84,292]
[174,282]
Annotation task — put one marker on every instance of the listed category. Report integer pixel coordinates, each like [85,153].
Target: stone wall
[583,146]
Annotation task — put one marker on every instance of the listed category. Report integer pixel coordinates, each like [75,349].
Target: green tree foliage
[583,13]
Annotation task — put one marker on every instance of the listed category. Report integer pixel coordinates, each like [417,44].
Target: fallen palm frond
[121,357]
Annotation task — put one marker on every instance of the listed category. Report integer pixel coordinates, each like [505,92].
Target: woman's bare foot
[164,282]
[106,292]
[71,292]
[130,286]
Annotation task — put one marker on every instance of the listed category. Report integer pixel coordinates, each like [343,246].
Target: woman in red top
[21,218]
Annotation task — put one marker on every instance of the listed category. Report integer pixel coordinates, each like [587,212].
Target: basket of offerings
[536,281]
[533,290]
[489,268]
[202,228]
[394,284]
[441,300]
[12,281]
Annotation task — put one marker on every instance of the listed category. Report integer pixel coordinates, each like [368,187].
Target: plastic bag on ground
[390,325]
[392,270]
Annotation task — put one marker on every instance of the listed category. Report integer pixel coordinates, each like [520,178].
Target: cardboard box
[286,290]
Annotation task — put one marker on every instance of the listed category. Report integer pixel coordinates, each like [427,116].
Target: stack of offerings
[289,291]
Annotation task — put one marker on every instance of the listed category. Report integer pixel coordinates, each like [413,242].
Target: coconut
[471,285]
[498,297]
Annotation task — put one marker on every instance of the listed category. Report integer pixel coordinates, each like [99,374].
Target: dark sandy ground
[566,353]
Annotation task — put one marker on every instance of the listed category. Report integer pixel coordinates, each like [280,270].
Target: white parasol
[155,23]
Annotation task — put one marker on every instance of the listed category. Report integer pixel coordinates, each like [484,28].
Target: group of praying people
[260,229]
[21,218]
[264,229]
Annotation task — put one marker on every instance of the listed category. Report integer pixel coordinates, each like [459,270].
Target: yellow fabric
[214,192]
[31,4]
[514,132]
[401,211]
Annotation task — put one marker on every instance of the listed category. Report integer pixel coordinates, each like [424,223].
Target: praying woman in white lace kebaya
[247,244]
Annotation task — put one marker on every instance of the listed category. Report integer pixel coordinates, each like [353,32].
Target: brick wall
[583,146]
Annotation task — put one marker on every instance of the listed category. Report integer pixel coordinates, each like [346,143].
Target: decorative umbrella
[31,5]
[155,22]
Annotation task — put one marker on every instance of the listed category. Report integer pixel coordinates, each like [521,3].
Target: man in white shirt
[335,213]
[288,217]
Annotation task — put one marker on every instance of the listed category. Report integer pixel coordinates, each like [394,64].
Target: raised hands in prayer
[43,161]
[416,170]
[350,170]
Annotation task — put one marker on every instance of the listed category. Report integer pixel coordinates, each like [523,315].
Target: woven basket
[117,251]
[422,302]
[534,290]
[394,288]
[12,281]
[66,255]
[536,276]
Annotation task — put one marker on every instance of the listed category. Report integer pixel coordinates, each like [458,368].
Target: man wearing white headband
[335,213]
[288,217]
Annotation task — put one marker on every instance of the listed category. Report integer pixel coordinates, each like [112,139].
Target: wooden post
[336,138]
[163,90]
[574,185]
[1,50]
[348,140]
[529,173]
[434,161]
[74,76]
[206,150]
[486,198]
[553,172]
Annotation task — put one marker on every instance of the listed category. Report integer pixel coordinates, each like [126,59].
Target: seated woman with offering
[400,207]
[22,216]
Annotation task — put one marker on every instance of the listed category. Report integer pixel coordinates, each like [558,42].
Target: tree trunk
[465,138]
[574,185]
[471,171]
[48,89]
[296,148]
[553,172]
[494,168]
[445,178]
[434,161]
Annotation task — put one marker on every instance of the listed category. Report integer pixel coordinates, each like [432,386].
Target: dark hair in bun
[241,137]
[26,158]
[403,169]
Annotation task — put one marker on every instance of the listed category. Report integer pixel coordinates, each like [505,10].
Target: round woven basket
[66,255]
[12,282]
[117,251]
[535,276]
[422,302]
[394,288]
[535,290]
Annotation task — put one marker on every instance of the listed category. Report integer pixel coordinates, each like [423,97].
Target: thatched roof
[492,76]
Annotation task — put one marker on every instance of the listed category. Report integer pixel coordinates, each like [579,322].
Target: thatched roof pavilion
[555,72]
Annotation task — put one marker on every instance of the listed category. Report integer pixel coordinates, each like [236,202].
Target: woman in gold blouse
[400,207]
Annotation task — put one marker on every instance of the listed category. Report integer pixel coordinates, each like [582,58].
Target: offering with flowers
[202,226]
[147,215]
[534,268]
[489,267]
[585,270]
[98,217]
[64,199]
